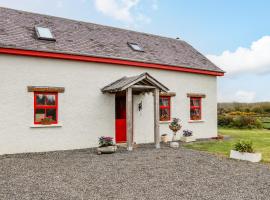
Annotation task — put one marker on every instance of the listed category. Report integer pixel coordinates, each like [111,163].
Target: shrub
[257,109]
[244,146]
[105,141]
[225,120]
[187,133]
[246,122]
[239,121]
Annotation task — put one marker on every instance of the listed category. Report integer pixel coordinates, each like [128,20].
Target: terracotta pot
[164,138]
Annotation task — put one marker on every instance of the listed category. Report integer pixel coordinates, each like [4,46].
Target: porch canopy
[137,84]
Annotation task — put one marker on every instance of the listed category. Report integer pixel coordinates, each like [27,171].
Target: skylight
[135,47]
[44,33]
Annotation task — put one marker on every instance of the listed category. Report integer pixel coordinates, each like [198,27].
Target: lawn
[260,139]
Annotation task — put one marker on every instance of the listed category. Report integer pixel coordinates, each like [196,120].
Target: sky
[235,35]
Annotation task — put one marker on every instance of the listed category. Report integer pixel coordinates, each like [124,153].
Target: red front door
[120,119]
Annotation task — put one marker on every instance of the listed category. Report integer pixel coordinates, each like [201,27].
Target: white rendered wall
[84,112]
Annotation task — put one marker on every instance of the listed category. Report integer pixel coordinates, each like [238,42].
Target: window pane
[164,114]
[164,101]
[44,32]
[40,99]
[50,99]
[39,115]
[195,114]
[195,102]
[51,113]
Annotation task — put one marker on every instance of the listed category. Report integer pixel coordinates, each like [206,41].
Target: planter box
[109,149]
[252,157]
[188,139]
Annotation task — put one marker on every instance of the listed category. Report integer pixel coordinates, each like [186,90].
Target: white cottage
[65,83]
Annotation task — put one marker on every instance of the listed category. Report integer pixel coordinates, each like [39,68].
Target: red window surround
[195,108]
[45,106]
[164,108]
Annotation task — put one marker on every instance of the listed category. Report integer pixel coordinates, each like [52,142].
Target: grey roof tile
[81,38]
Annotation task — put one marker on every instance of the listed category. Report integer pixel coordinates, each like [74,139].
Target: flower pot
[175,128]
[108,149]
[252,157]
[188,139]
[164,138]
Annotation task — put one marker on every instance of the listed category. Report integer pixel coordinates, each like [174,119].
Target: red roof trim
[105,60]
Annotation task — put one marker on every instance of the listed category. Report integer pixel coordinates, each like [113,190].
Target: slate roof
[81,38]
[125,82]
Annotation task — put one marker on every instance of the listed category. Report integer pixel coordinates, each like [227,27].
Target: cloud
[239,96]
[245,96]
[122,10]
[254,59]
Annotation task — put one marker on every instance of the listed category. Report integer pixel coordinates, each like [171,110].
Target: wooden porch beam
[129,119]
[156,118]
[142,87]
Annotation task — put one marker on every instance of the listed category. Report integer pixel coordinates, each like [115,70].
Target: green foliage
[105,141]
[239,121]
[258,108]
[225,120]
[244,146]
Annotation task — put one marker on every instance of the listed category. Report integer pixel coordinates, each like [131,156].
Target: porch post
[129,118]
[156,118]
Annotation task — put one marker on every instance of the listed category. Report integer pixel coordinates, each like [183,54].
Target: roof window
[44,33]
[135,47]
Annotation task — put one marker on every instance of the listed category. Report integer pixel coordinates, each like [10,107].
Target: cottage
[64,83]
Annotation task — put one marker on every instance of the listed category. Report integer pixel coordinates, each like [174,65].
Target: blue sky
[233,34]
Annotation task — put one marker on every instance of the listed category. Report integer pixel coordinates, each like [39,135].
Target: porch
[127,87]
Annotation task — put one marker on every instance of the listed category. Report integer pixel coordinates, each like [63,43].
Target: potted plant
[243,150]
[164,138]
[106,145]
[46,121]
[187,136]
[175,126]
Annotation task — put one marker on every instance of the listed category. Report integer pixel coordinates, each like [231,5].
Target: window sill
[165,122]
[195,121]
[45,126]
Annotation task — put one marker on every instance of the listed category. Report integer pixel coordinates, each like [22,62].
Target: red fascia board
[105,60]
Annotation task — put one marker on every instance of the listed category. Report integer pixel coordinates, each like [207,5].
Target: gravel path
[145,173]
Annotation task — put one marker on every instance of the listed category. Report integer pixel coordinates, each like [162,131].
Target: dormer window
[44,33]
[135,47]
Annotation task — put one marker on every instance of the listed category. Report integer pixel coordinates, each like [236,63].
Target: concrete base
[252,157]
[188,139]
[109,149]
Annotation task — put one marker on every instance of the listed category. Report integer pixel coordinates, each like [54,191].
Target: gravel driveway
[145,173]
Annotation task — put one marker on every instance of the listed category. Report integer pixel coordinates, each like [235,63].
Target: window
[165,108]
[135,47]
[44,33]
[195,108]
[45,106]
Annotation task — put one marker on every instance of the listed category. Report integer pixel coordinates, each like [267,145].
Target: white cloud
[122,10]
[238,96]
[255,59]
[245,96]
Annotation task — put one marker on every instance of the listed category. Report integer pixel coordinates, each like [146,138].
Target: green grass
[260,139]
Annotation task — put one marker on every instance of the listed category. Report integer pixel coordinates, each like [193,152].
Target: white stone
[252,157]
[174,144]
